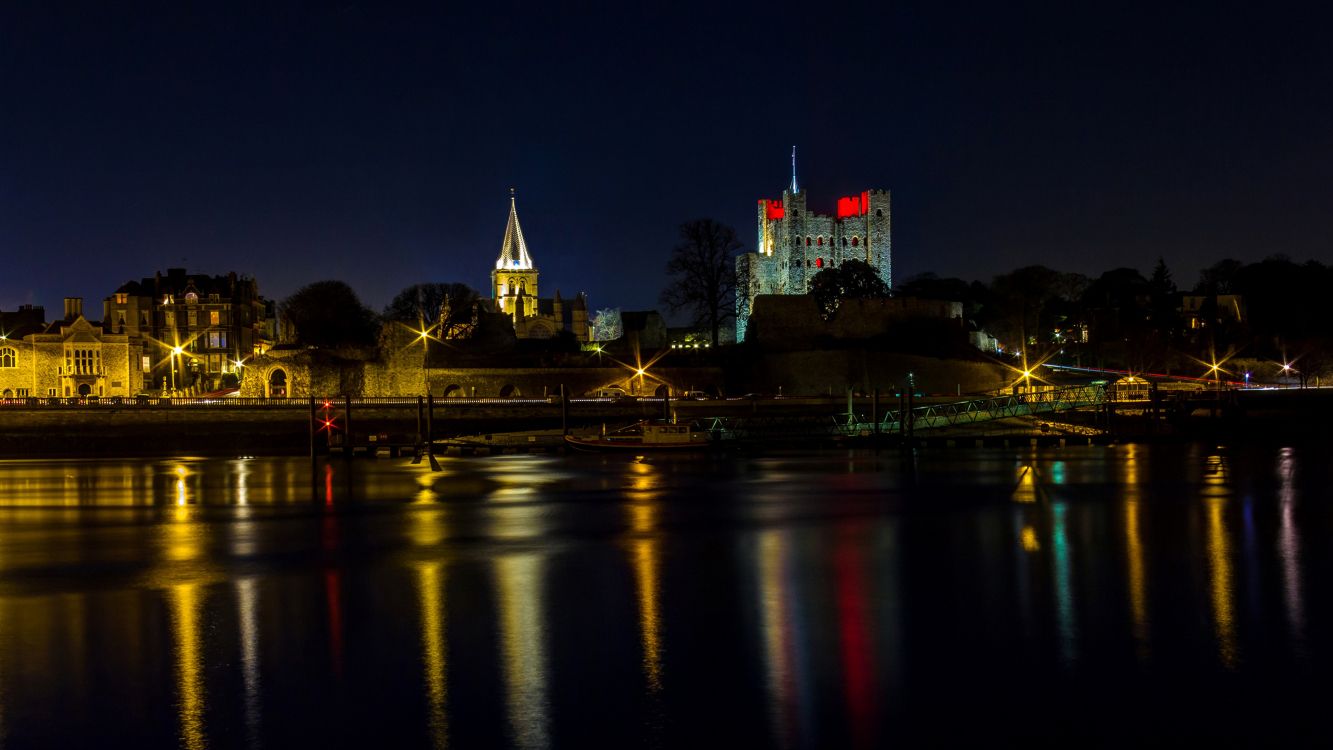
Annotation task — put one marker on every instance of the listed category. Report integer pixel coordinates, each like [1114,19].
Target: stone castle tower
[514,290]
[794,244]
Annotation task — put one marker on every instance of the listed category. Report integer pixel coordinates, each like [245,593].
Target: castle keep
[794,244]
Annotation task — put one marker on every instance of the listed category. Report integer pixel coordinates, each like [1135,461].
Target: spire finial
[794,189]
[511,194]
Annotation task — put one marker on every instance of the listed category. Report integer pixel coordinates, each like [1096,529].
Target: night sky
[300,142]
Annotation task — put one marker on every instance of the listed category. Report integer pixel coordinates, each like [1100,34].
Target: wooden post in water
[564,410]
[430,432]
[347,427]
[312,431]
[420,448]
[666,405]
[874,409]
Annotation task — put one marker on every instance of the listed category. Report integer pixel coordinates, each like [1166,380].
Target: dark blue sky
[302,141]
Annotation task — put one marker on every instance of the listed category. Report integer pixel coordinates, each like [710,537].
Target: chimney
[73,307]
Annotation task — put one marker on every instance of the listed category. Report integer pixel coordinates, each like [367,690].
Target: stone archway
[662,391]
[7,394]
[454,391]
[275,386]
[85,389]
[509,390]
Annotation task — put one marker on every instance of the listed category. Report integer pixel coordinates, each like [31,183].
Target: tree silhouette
[328,314]
[854,279]
[703,274]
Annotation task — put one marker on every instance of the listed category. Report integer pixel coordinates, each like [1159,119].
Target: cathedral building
[514,291]
[795,243]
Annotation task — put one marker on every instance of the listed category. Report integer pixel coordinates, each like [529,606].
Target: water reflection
[1289,548]
[1216,492]
[781,624]
[186,601]
[1064,584]
[645,561]
[1138,586]
[856,637]
[247,608]
[519,582]
[430,584]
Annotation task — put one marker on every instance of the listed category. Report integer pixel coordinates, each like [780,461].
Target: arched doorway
[85,389]
[7,394]
[510,391]
[662,391]
[277,384]
[454,391]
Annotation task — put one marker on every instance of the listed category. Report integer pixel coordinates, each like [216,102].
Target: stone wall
[793,322]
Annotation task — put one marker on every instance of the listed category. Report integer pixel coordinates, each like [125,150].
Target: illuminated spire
[514,251]
[794,189]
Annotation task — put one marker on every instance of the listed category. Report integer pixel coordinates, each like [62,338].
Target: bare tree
[703,274]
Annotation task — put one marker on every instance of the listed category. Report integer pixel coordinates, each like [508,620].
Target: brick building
[197,329]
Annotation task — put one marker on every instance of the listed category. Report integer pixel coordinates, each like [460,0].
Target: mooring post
[421,405]
[347,427]
[430,432]
[312,431]
[666,405]
[850,414]
[564,410]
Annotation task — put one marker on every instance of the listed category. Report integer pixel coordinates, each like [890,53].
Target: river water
[833,599]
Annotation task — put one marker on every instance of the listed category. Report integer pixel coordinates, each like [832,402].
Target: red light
[855,205]
[772,209]
[819,262]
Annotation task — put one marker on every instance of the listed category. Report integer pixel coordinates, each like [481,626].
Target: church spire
[514,251]
[794,189]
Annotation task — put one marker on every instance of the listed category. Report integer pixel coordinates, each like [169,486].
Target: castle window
[8,357]
[854,241]
[819,262]
[820,242]
[879,212]
[844,242]
[807,241]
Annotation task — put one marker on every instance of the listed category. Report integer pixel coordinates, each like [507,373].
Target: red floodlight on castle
[856,205]
[772,209]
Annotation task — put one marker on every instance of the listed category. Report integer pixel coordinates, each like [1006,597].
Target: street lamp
[175,352]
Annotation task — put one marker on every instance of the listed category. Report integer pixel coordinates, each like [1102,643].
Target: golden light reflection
[1138,586]
[1029,538]
[1216,491]
[775,607]
[185,538]
[646,566]
[430,582]
[1026,490]
[522,641]
[185,602]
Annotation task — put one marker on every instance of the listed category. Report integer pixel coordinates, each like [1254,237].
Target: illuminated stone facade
[514,291]
[217,321]
[794,244]
[71,358]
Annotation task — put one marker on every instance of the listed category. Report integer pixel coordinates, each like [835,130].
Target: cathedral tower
[514,280]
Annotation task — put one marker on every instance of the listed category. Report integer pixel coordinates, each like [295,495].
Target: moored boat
[644,436]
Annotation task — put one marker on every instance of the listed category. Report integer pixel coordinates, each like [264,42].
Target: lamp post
[175,352]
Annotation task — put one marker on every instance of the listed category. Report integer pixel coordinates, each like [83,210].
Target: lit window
[819,262]
[214,317]
[855,241]
[8,357]
[820,242]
